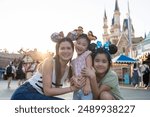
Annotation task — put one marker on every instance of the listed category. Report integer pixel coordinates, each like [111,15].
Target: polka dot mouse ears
[55,37]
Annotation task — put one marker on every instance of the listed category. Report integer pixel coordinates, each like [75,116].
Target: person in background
[31,69]
[21,73]
[10,72]
[48,82]
[146,74]
[136,75]
[103,80]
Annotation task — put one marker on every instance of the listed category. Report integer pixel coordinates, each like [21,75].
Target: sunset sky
[29,23]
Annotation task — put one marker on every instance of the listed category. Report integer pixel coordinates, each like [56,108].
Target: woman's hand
[88,72]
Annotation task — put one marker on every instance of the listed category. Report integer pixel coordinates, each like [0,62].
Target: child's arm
[87,87]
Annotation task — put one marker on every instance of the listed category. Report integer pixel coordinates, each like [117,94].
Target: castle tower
[125,27]
[105,28]
[115,27]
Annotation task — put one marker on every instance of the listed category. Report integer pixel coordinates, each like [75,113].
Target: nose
[100,63]
[80,46]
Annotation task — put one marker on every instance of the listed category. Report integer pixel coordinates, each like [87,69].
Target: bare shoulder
[46,64]
[89,60]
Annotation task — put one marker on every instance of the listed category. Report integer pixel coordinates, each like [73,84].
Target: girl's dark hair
[112,50]
[57,62]
[84,36]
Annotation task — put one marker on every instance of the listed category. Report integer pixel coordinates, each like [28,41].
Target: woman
[50,76]
[104,81]
[145,72]
[21,73]
[136,75]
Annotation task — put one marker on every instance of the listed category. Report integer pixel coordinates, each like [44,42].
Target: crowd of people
[89,74]
[20,72]
[141,75]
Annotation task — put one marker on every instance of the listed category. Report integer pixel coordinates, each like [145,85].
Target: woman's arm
[47,68]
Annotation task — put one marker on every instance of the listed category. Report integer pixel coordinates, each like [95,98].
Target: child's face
[81,46]
[101,63]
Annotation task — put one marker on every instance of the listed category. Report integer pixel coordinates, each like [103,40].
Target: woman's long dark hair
[57,62]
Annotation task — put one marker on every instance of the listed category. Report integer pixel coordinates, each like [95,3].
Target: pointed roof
[125,25]
[145,36]
[112,21]
[148,36]
[105,16]
[116,6]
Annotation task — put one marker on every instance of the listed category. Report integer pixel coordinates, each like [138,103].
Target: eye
[104,61]
[62,48]
[97,60]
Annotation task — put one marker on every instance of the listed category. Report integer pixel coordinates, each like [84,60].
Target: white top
[143,68]
[36,79]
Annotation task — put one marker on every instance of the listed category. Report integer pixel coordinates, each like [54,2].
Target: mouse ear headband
[108,47]
[55,37]
[72,35]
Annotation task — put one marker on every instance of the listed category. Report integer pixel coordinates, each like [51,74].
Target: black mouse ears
[111,48]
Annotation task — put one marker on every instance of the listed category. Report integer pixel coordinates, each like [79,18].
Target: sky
[29,24]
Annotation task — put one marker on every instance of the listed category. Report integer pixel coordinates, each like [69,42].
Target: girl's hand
[77,82]
[88,72]
[86,89]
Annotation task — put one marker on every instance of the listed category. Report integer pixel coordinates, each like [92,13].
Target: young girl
[104,81]
[83,60]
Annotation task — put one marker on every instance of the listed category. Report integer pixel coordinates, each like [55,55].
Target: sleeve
[14,69]
[85,54]
[5,70]
[111,80]
[139,73]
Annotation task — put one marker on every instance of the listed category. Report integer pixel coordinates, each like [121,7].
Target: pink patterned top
[79,63]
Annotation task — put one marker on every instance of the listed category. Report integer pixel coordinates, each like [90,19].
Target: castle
[120,35]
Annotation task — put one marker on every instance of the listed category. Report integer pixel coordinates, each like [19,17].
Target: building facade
[119,34]
[143,48]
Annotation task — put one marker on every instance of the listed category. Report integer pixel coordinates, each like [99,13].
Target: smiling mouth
[80,50]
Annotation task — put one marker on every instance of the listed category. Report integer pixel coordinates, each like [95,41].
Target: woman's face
[81,46]
[101,63]
[65,51]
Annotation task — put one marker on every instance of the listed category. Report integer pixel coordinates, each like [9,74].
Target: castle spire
[105,16]
[116,6]
[105,28]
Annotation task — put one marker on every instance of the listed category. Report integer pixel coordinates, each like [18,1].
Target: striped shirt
[36,80]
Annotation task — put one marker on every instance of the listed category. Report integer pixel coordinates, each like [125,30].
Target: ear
[72,35]
[92,47]
[113,49]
